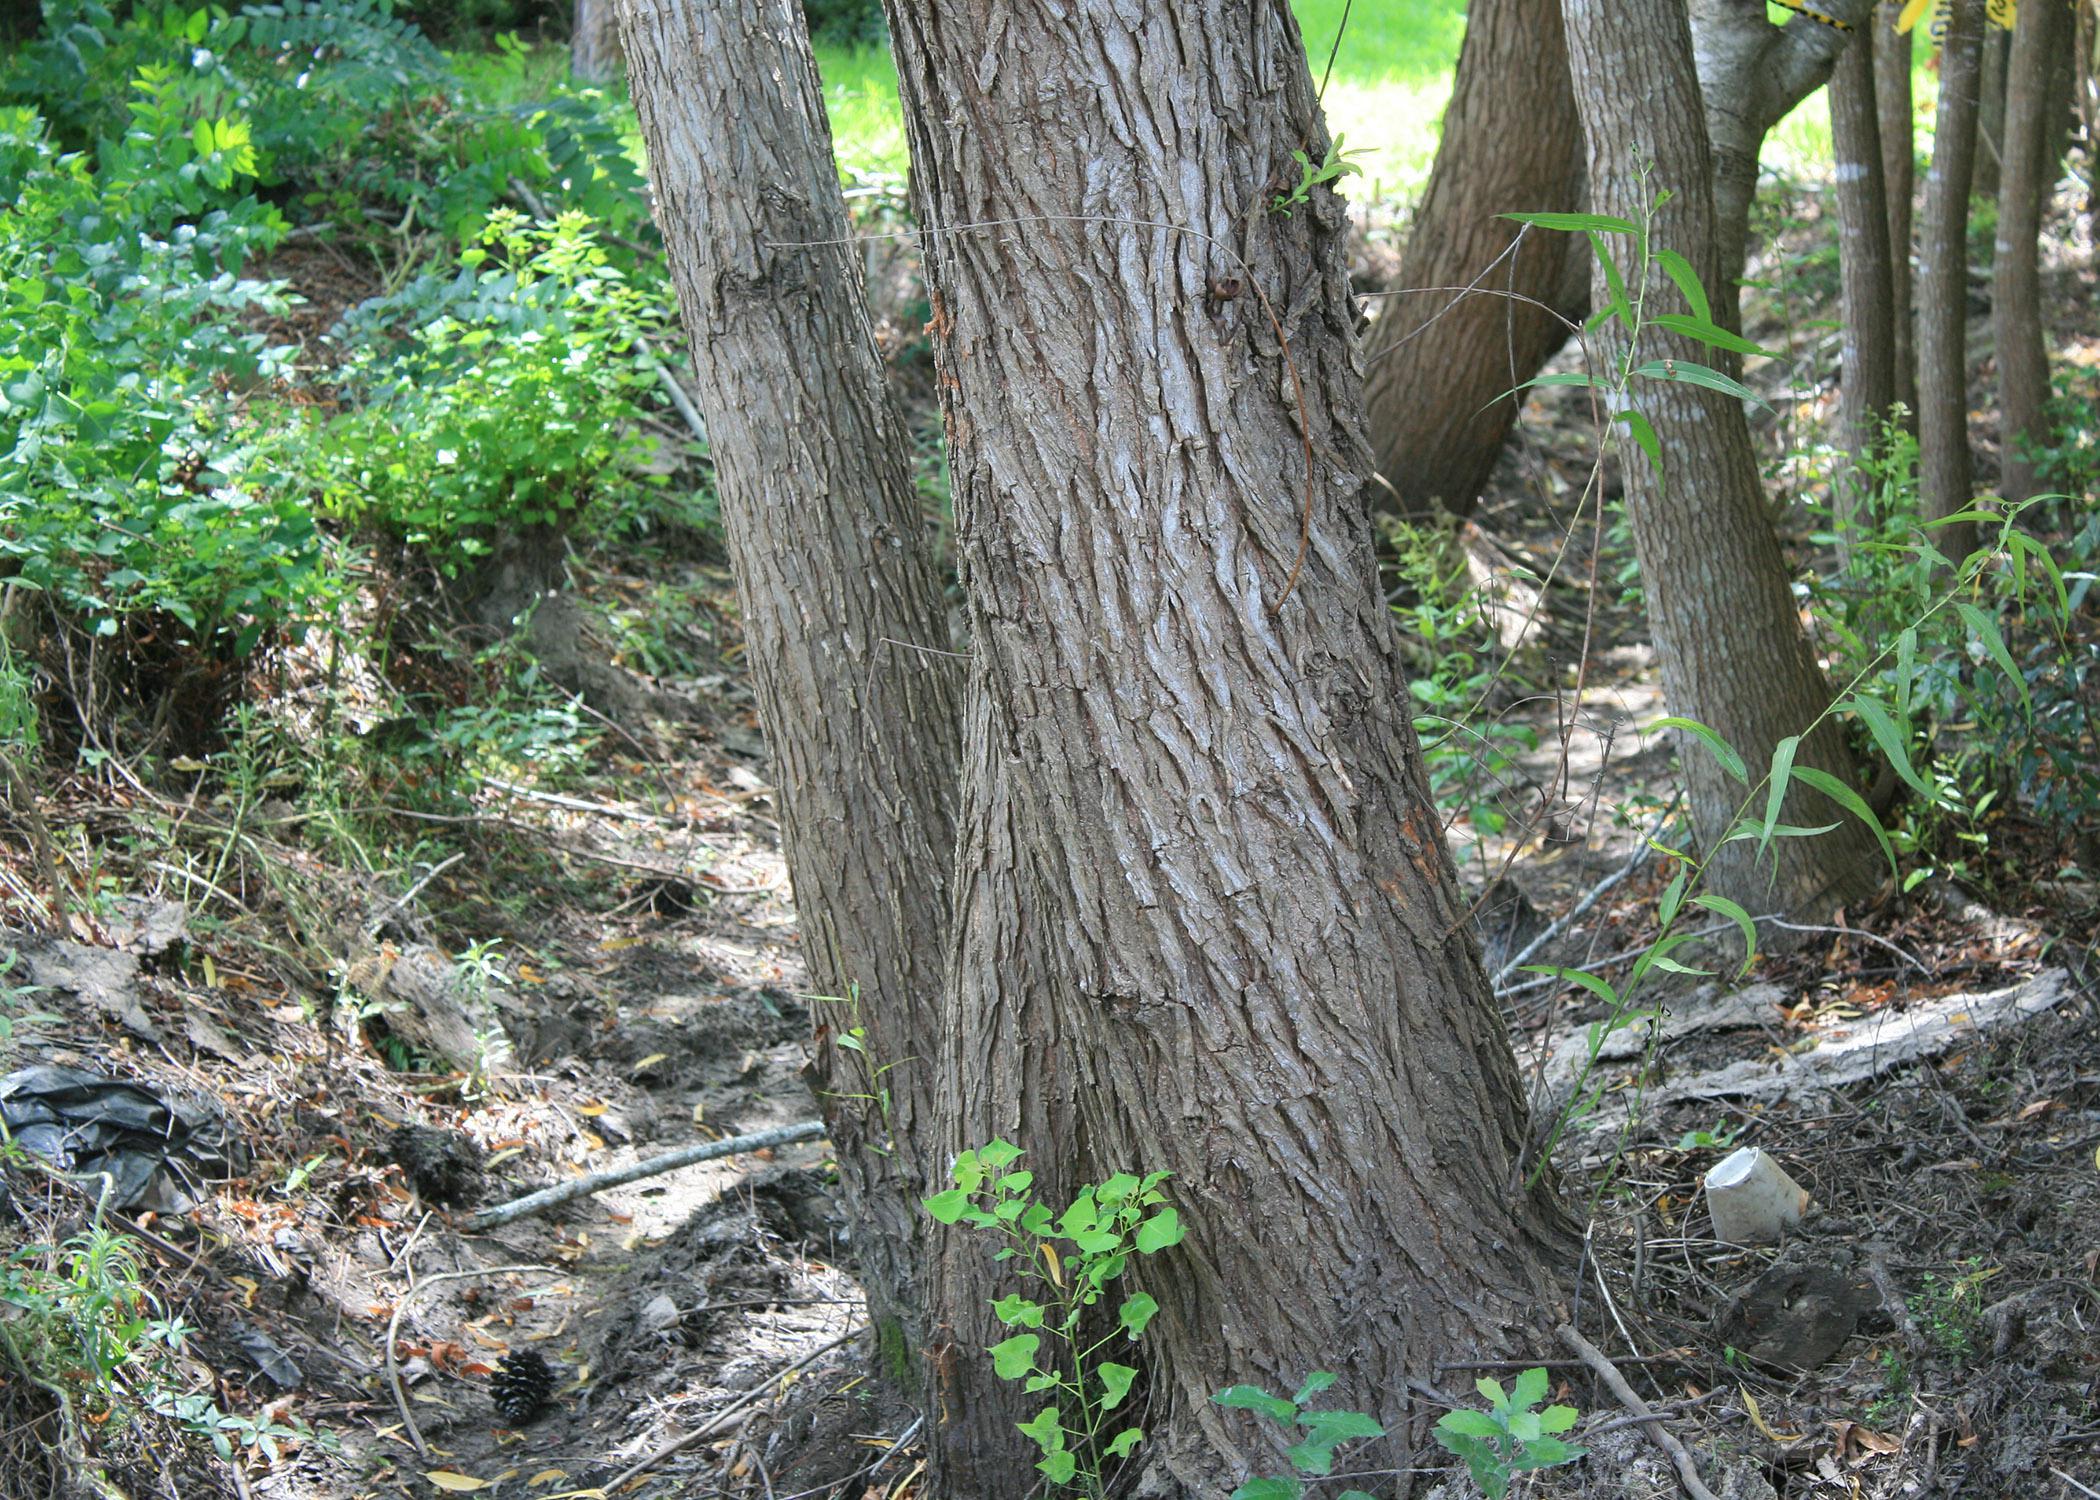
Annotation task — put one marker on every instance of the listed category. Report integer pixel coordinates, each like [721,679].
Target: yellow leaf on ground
[458,1484]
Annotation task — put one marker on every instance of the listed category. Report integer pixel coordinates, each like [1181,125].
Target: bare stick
[1606,1371]
[721,1418]
[393,1328]
[598,1182]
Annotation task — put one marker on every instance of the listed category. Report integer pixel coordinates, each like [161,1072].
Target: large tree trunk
[841,608]
[1751,73]
[1943,285]
[1867,376]
[2042,35]
[1892,60]
[1440,361]
[1733,653]
[594,44]
[1262,979]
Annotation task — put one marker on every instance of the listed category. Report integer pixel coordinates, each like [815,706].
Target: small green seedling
[1332,168]
[1071,1258]
[1509,1437]
[1313,1454]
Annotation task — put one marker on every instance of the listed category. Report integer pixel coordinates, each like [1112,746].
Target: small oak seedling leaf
[1159,1232]
[1047,1428]
[1120,1445]
[1136,1312]
[1015,1357]
[948,1207]
[1269,1489]
[1115,1383]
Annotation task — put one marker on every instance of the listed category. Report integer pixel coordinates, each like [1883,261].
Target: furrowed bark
[1944,464]
[1733,653]
[1260,977]
[841,608]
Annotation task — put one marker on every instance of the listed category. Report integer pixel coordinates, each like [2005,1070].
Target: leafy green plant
[1949,1309]
[513,403]
[1331,168]
[1069,1259]
[1509,1438]
[1313,1454]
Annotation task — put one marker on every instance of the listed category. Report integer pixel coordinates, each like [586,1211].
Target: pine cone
[521,1385]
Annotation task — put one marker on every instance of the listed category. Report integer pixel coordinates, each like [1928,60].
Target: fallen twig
[1651,1424]
[721,1418]
[597,1182]
[393,1328]
[1561,924]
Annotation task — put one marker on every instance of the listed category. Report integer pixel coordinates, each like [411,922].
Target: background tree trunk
[2042,35]
[1867,377]
[1751,73]
[1990,112]
[1510,141]
[594,44]
[1892,97]
[1262,976]
[1732,650]
[1943,285]
[841,607]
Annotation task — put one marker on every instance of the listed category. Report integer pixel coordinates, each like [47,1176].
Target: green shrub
[132,480]
[512,403]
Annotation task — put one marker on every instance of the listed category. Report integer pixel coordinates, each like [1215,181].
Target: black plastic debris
[158,1151]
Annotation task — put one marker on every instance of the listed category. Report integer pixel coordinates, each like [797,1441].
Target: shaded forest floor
[620,951]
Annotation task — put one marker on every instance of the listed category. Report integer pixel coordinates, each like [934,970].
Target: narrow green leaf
[1672,898]
[1987,632]
[1782,764]
[1852,802]
[1712,334]
[1680,271]
[1315,1383]
[1688,373]
[1892,739]
[1254,1398]
[1737,915]
[1614,283]
[1644,434]
[1724,752]
[1595,984]
[1574,223]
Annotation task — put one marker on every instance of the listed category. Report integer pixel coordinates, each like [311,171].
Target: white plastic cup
[1752,1200]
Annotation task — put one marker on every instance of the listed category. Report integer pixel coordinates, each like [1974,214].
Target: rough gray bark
[841,608]
[1510,140]
[1732,650]
[1258,974]
[1892,58]
[1944,473]
[1751,73]
[2042,34]
[1867,377]
[594,44]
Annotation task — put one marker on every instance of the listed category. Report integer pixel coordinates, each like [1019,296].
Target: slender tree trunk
[1867,378]
[1262,980]
[1943,285]
[841,608]
[1892,97]
[1990,113]
[2043,34]
[594,45]
[1440,362]
[1733,653]
[1751,73]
